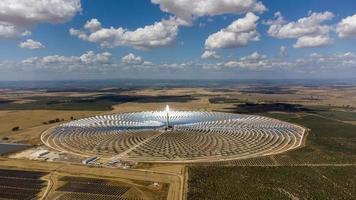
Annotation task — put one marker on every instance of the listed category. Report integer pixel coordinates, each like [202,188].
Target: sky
[181,39]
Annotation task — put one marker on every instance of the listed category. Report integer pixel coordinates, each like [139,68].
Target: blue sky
[73,39]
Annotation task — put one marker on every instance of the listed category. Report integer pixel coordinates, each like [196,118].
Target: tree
[16,128]
[5,138]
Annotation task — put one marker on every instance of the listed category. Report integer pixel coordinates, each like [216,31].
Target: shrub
[5,138]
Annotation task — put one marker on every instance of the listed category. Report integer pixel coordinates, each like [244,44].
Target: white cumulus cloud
[88,58]
[309,31]
[237,34]
[209,55]
[254,56]
[279,19]
[10,31]
[312,41]
[100,63]
[159,34]
[132,59]
[187,10]
[93,25]
[253,61]
[347,27]
[31,44]
[91,58]
[18,17]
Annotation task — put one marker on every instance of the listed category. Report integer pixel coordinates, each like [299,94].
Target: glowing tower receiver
[167,111]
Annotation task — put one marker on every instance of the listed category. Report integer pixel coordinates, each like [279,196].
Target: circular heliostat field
[190,136]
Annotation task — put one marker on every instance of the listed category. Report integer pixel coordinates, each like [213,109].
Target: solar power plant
[175,136]
[91,188]
[16,184]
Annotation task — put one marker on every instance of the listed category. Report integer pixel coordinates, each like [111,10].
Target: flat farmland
[32,118]
[31,123]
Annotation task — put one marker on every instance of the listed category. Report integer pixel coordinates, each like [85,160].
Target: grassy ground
[339,115]
[28,119]
[31,122]
[331,141]
[272,183]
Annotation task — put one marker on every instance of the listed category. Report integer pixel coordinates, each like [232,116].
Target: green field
[305,173]
[272,183]
[329,141]
[339,115]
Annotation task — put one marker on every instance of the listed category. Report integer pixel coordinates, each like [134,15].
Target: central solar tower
[167,112]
